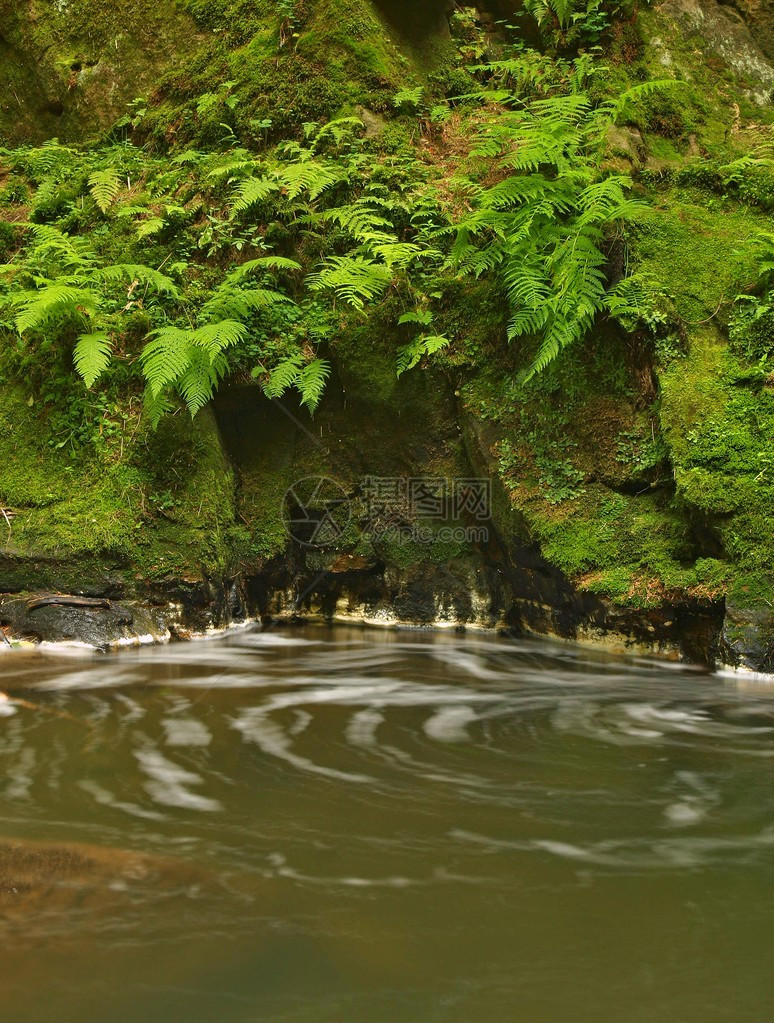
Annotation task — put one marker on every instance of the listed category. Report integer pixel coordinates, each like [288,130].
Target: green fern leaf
[53,306]
[411,355]
[155,406]
[309,176]
[105,186]
[91,356]
[166,357]
[284,376]
[150,227]
[423,316]
[197,384]
[253,191]
[233,303]
[215,337]
[142,274]
[237,275]
[311,382]
[354,279]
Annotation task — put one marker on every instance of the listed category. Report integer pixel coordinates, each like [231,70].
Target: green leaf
[105,186]
[311,382]
[166,357]
[91,356]
[284,376]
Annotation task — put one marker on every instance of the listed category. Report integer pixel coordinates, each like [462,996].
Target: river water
[387,827]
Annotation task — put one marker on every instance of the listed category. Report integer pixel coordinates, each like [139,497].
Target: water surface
[345,825]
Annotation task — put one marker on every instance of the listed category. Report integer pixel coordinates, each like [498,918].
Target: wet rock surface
[737,34]
[101,625]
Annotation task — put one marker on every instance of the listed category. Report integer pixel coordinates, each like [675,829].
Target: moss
[69,68]
[701,115]
[162,508]
[698,249]
[335,56]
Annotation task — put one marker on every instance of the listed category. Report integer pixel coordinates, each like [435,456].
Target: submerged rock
[101,624]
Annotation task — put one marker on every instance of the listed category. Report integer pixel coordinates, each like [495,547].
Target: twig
[698,323]
[7,515]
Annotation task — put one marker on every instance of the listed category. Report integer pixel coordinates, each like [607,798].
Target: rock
[748,638]
[723,31]
[101,626]
[39,879]
[759,16]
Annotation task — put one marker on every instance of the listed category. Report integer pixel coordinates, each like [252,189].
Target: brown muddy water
[386,827]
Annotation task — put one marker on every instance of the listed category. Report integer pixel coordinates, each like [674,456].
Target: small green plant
[542,226]
[568,23]
[751,326]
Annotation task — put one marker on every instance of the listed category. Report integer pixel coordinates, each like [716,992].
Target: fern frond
[105,186]
[165,357]
[284,375]
[142,274]
[197,384]
[91,356]
[150,227]
[558,336]
[339,128]
[641,91]
[233,303]
[358,220]
[53,306]
[354,279]
[411,355]
[308,176]
[237,275]
[399,255]
[50,241]
[215,337]
[311,382]
[253,191]
[155,406]
[423,316]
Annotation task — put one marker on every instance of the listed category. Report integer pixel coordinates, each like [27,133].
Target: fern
[165,358]
[142,274]
[191,360]
[214,338]
[541,227]
[308,379]
[262,263]
[156,406]
[423,316]
[269,263]
[409,97]
[309,177]
[253,191]
[92,356]
[311,382]
[355,279]
[284,375]
[105,186]
[52,306]
[236,303]
[411,355]
[150,227]
[198,382]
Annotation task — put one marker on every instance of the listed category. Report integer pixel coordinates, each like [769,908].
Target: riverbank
[630,482]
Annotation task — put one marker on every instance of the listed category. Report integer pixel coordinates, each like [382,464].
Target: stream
[327,825]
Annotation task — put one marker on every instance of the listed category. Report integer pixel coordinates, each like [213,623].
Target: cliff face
[632,483]
[69,69]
